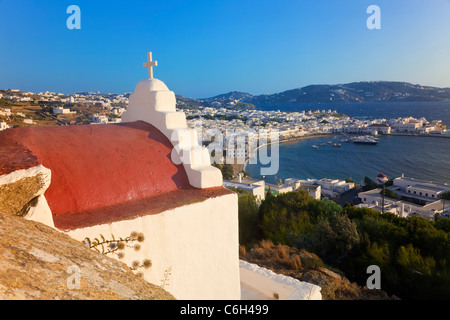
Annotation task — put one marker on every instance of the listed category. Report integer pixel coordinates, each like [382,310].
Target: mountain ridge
[358,92]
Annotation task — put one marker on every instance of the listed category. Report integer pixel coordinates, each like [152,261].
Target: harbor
[422,157]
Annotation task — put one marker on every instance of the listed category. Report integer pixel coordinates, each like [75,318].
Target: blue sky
[209,47]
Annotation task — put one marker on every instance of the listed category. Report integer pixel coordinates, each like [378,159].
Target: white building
[3,126]
[414,197]
[380,128]
[100,118]
[23,99]
[328,184]
[256,188]
[61,110]
[419,189]
[118,111]
[5,112]
[278,189]
[408,127]
[313,189]
[344,186]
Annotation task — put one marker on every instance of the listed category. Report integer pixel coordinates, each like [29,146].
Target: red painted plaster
[99,172]
[14,158]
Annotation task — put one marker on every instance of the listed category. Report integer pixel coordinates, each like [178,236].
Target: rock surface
[20,189]
[40,263]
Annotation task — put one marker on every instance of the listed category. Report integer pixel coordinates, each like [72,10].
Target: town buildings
[412,197]
[3,126]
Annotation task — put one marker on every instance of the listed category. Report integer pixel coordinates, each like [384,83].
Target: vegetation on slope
[413,254]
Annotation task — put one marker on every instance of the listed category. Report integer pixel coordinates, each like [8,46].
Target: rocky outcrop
[20,189]
[40,263]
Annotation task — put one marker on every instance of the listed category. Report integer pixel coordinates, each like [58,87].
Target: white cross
[150,64]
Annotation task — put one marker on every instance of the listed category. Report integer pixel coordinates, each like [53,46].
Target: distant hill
[374,91]
[233,95]
[358,92]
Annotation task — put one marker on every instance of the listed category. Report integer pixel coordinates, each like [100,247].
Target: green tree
[369,184]
[443,224]
[285,216]
[389,193]
[332,239]
[249,230]
[226,169]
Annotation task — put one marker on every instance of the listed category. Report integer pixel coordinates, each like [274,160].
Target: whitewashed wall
[261,283]
[198,243]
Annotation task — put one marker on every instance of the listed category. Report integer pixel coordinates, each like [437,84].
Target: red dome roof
[96,170]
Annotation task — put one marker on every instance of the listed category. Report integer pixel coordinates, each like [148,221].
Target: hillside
[355,92]
[233,95]
[306,266]
[38,262]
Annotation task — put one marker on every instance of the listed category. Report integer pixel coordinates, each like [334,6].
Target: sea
[426,158]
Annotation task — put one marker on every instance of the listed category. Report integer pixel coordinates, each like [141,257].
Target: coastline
[292,140]
[306,137]
[315,136]
[430,135]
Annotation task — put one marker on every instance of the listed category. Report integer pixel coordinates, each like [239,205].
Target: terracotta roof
[102,173]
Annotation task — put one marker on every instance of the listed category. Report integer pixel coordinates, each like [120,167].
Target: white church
[148,175]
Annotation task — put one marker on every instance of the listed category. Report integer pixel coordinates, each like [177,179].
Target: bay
[425,158]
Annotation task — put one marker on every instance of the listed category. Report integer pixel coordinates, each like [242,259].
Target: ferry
[365,140]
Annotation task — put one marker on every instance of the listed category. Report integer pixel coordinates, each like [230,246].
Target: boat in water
[315,147]
[365,140]
[337,145]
